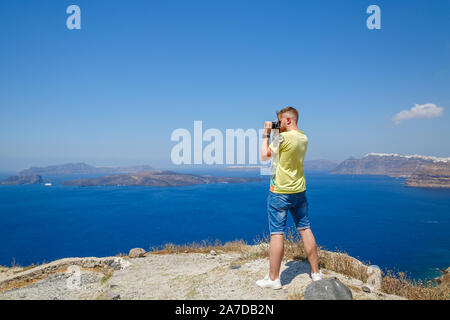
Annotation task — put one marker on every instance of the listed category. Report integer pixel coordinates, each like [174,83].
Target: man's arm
[266,153]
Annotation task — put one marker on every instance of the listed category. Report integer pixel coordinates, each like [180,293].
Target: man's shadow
[294,268]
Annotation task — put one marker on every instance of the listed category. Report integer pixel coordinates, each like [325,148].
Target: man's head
[288,119]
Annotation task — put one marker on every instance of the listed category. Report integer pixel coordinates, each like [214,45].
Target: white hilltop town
[413,156]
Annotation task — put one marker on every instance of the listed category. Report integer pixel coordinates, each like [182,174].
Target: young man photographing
[287,193]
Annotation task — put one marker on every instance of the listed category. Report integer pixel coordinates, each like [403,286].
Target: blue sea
[373,218]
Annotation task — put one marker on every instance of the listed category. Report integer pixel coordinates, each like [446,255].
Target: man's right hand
[265,150]
[267,127]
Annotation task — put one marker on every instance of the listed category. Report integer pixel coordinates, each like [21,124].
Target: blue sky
[113,92]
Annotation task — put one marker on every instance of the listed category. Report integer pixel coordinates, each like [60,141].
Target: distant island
[142,175]
[155,178]
[420,171]
[25,179]
[320,165]
[81,168]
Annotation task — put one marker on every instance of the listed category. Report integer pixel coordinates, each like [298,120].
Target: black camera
[276,124]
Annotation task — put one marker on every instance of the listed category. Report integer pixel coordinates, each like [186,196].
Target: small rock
[136,253]
[444,271]
[367,289]
[375,276]
[444,279]
[357,282]
[235,266]
[213,253]
[327,289]
[437,280]
[110,295]
[185,251]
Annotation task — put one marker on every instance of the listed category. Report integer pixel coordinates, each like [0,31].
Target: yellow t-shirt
[289,149]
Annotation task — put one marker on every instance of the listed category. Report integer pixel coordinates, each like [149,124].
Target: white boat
[48,184]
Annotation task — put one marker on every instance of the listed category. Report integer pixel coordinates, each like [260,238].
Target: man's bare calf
[276,252]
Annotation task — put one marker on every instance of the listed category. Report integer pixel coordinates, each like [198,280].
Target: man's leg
[276,252]
[310,247]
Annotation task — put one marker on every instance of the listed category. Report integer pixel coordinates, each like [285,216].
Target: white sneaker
[269,283]
[316,276]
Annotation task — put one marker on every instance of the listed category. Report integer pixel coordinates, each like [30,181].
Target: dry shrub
[342,263]
[122,255]
[293,246]
[401,285]
[296,296]
[204,246]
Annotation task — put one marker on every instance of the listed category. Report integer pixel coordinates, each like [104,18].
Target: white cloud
[427,110]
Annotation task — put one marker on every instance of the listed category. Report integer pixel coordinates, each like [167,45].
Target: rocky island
[25,179]
[420,171]
[154,178]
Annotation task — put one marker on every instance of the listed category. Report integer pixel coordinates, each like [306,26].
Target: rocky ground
[166,276]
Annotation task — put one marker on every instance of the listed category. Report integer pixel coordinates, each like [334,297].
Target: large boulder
[327,289]
[136,253]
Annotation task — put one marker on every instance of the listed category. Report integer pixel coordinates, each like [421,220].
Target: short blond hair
[291,110]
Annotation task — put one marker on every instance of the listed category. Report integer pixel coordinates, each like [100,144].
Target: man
[287,193]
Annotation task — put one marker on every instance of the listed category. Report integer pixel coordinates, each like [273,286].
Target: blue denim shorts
[278,204]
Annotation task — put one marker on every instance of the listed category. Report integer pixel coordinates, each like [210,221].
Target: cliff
[430,176]
[420,171]
[224,272]
[372,164]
